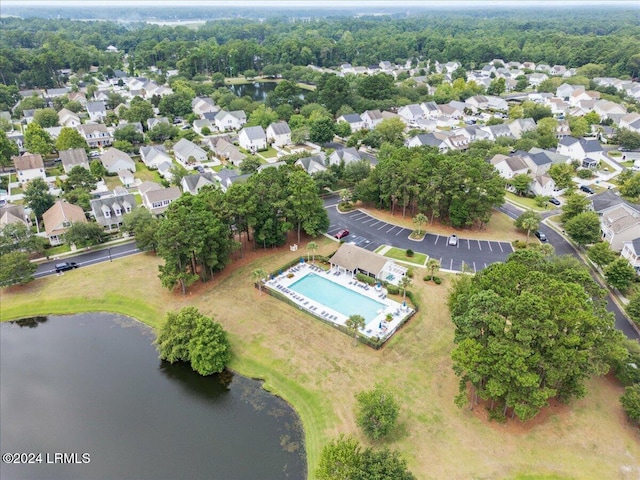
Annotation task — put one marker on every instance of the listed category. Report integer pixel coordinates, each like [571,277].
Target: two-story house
[29,166]
[59,218]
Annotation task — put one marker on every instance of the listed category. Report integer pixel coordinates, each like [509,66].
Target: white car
[453,240]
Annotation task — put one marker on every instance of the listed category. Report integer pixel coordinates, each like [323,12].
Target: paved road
[89,258]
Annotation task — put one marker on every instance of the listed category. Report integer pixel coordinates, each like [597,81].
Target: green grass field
[318,370]
[418,259]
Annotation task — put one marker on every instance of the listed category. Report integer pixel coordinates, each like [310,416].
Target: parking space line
[374,223]
[370,220]
[485,265]
[489,243]
[383,225]
[479,246]
[451,265]
[400,232]
[474,267]
[468,244]
[500,245]
[437,238]
[391,228]
[357,215]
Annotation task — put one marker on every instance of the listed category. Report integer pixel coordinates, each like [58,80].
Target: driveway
[370,233]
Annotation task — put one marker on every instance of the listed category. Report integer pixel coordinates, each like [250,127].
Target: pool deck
[378,327]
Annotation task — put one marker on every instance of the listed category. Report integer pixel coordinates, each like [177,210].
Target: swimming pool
[337,297]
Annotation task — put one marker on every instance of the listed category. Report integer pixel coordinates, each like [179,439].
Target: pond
[258,91]
[91,386]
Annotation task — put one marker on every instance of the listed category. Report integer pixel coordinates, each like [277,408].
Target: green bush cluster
[409,253]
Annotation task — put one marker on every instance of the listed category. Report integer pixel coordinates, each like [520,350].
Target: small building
[352,259]
[59,218]
[193,183]
[28,167]
[157,201]
[115,160]
[188,153]
[631,252]
[96,135]
[253,139]
[279,134]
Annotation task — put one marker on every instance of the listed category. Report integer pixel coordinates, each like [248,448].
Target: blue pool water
[337,297]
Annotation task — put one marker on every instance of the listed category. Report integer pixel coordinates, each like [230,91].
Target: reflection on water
[84,383]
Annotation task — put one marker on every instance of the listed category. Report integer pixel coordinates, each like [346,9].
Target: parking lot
[370,233]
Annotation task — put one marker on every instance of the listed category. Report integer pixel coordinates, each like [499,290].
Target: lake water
[93,384]
[257,91]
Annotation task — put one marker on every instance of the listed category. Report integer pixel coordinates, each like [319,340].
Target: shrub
[427,278]
[366,279]
[437,280]
[584,173]
[409,252]
[393,289]
[410,273]
[519,244]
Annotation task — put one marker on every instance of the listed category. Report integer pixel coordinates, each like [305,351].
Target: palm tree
[258,275]
[313,248]
[433,265]
[345,195]
[404,283]
[529,221]
[355,323]
[420,219]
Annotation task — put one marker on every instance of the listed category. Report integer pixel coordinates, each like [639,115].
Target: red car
[342,234]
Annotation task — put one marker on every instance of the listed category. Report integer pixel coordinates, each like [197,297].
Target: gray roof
[429,139]
[636,245]
[96,107]
[74,156]
[254,133]
[192,181]
[280,128]
[352,118]
[604,200]
[111,204]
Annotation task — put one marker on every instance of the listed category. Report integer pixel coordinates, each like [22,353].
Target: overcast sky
[322,4]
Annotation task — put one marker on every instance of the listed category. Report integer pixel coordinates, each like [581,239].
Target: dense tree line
[528,330]
[458,188]
[199,233]
[32,50]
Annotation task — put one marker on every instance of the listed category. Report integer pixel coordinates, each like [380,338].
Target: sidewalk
[95,248]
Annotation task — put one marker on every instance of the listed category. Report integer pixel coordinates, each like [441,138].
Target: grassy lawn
[500,227]
[51,252]
[268,153]
[523,202]
[418,259]
[143,173]
[317,369]
[112,181]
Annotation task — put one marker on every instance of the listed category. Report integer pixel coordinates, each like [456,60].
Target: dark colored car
[63,267]
[541,236]
[555,201]
[342,234]
[199,169]
[586,189]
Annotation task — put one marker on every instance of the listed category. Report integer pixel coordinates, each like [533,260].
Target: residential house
[193,183]
[440,140]
[564,91]
[253,138]
[67,118]
[154,155]
[543,185]
[10,214]
[157,201]
[115,160]
[430,109]
[631,252]
[535,79]
[202,105]
[497,131]
[619,224]
[227,177]
[29,166]
[508,167]
[279,134]
[477,102]
[496,103]
[354,120]
[580,94]
[580,148]
[606,109]
[520,126]
[313,164]
[558,106]
[348,155]
[188,153]
[630,121]
[27,115]
[411,113]
[226,121]
[152,122]
[451,111]
[225,150]
[56,92]
[371,118]
[201,123]
[109,211]
[74,157]
[59,218]
[97,111]
[96,135]
[79,97]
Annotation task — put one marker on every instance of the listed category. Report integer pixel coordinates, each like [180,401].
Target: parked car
[63,267]
[199,169]
[342,234]
[587,189]
[453,240]
[94,154]
[555,201]
[541,236]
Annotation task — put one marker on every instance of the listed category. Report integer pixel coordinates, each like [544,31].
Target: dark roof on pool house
[354,259]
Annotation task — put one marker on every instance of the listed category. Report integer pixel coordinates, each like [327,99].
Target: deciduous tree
[584,228]
[377,411]
[601,254]
[37,197]
[70,138]
[620,274]
[15,268]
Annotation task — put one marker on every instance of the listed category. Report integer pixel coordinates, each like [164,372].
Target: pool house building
[352,259]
